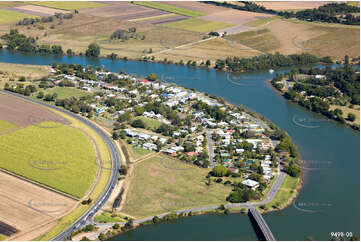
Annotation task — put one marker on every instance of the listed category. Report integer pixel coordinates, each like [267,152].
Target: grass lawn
[136,152]
[106,217]
[70,5]
[198,25]
[160,184]
[66,92]
[3,237]
[151,123]
[49,156]
[170,8]
[7,16]
[285,192]
[4,126]
[263,21]
[346,110]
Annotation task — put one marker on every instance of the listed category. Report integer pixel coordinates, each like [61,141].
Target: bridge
[262,224]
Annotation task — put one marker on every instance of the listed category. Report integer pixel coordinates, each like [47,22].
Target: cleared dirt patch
[292,5]
[25,206]
[24,114]
[37,10]
[124,11]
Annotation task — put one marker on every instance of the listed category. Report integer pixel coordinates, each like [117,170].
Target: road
[210,149]
[86,217]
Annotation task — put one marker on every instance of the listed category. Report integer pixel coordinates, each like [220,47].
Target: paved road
[258,121]
[210,149]
[86,217]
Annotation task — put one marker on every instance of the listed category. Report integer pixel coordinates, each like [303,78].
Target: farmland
[5,126]
[313,38]
[198,25]
[26,206]
[70,5]
[291,5]
[26,153]
[171,8]
[7,16]
[161,184]
[37,10]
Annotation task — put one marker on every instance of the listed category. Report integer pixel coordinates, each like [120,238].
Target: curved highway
[86,217]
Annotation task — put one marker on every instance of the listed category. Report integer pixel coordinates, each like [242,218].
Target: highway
[86,217]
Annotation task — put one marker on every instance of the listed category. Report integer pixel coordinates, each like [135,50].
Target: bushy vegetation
[48,19]
[237,64]
[16,41]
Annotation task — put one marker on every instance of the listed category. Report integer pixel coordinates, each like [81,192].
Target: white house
[251,183]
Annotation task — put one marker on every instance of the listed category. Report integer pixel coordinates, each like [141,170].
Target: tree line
[237,64]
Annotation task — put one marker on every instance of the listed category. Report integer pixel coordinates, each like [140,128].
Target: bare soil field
[318,39]
[26,207]
[197,6]
[292,5]
[37,10]
[124,11]
[24,114]
[237,17]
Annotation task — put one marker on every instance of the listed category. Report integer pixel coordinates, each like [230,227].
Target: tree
[219,171]
[116,226]
[351,117]
[101,237]
[152,77]
[138,123]
[93,50]
[40,95]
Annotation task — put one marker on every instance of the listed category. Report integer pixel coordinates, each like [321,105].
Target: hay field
[198,25]
[170,8]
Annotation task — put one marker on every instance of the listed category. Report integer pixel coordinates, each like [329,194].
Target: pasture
[196,6]
[7,16]
[171,8]
[198,25]
[161,184]
[69,5]
[47,154]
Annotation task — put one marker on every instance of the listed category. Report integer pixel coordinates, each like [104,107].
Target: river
[329,200]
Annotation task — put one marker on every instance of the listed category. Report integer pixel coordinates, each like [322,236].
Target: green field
[106,217]
[7,16]
[4,126]
[69,5]
[136,152]
[169,8]
[198,25]
[66,92]
[151,123]
[162,184]
[7,4]
[285,192]
[3,237]
[49,156]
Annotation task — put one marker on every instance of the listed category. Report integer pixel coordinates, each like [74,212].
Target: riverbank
[347,123]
